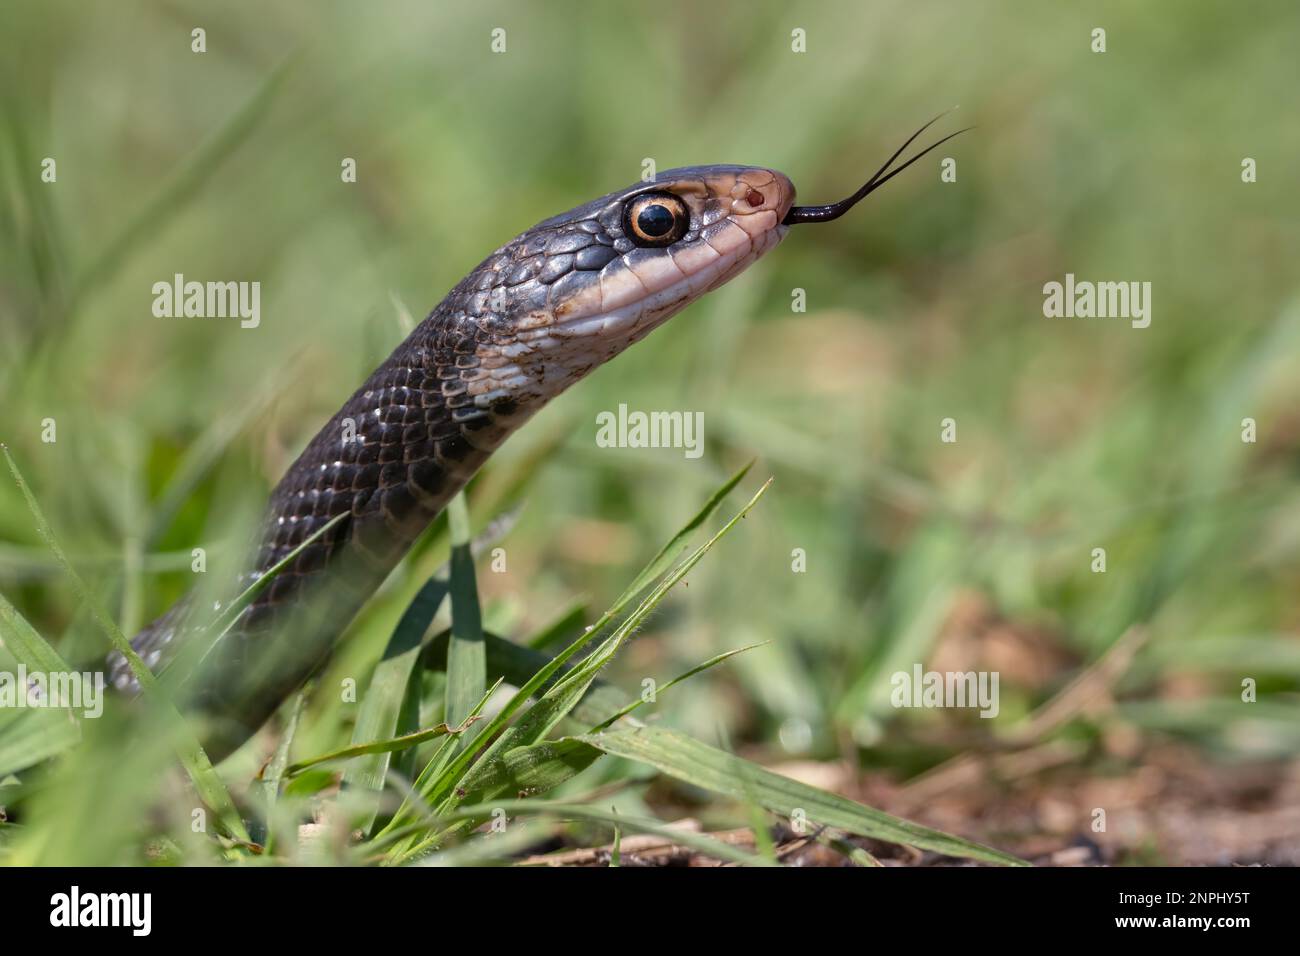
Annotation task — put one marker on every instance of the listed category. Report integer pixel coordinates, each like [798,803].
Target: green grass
[469,778]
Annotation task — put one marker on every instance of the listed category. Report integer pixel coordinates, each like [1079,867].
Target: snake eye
[655,219]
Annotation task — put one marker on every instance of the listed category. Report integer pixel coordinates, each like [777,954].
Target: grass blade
[517,665]
[27,737]
[578,811]
[711,662]
[466,658]
[390,689]
[564,695]
[671,551]
[25,642]
[273,773]
[224,621]
[531,770]
[381,746]
[196,650]
[195,760]
[698,764]
[434,770]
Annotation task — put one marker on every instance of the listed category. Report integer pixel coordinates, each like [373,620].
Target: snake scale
[533,318]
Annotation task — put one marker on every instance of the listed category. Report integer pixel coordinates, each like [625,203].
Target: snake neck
[388,461]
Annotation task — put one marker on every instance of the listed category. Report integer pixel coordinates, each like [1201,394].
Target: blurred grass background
[924,304]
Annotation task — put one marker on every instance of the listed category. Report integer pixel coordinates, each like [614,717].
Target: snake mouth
[801,214]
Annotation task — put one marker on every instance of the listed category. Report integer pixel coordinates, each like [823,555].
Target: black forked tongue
[798,214]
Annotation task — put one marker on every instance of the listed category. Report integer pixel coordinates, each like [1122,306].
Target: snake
[537,315]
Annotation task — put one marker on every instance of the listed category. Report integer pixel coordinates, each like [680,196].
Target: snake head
[577,289]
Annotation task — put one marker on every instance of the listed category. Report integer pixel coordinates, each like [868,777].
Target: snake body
[534,317]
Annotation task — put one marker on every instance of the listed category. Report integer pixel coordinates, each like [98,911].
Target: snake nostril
[755,198]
